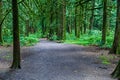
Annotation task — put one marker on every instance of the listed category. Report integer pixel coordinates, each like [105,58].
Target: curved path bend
[58,61]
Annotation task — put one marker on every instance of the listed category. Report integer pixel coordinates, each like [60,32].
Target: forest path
[58,61]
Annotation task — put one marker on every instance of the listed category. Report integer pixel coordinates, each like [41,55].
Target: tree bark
[1,38]
[27,28]
[43,26]
[64,20]
[116,72]
[16,41]
[92,16]
[104,28]
[62,28]
[51,32]
[76,26]
[85,19]
[116,44]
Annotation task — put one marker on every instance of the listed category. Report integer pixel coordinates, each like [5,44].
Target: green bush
[70,36]
[30,40]
[24,40]
[104,60]
[92,38]
[54,37]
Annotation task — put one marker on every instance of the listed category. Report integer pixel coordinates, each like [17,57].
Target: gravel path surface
[57,61]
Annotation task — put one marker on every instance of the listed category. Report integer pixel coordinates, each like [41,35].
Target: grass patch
[7,57]
[93,38]
[106,60]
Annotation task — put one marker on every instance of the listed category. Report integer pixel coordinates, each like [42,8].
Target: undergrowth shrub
[24,40]
[70,36]
[30,40]
[104,60]
[54,37]
[92,38]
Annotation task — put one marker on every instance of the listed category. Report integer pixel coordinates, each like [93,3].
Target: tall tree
[92,16]
[76,26]
[27,27]
[51,20]
[104,27]
[116,44]
[16,41]
[116,73]
[85,19]
[64,19]
[1,39]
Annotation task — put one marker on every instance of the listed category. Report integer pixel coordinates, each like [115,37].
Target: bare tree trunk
[92,16]
[43,26]
[104,28]
[27,28]
[75,23]
[64,21]
[116,72]
[16,40]
[1,39]
[85,19]
[116,45]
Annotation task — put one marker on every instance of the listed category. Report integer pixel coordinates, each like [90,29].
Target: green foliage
[7,40]
[70,36]
[30,40]
[86,39]
[24,40]
[109,40]
[54,37]
[104,60]
[92,38]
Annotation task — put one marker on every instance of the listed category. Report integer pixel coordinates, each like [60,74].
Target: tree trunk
[116,72]
[116,43]
[109,3]
[104,28]
[62,28]
[51,33]
[27,28]
[76,26]
[64,21]
[1,39]
[43,26]
[92,16]
[85,19]
[82,20]
[16,41]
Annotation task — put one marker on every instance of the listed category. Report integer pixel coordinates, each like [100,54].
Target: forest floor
[49,60]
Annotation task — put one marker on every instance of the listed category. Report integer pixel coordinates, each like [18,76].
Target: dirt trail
[57,61]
